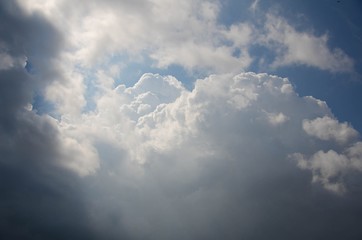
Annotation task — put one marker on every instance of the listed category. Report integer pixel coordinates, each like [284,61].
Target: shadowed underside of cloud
[238,156]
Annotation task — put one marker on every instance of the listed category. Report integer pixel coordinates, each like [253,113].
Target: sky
[194,119]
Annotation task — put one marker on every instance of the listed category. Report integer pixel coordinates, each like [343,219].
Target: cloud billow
[212,162]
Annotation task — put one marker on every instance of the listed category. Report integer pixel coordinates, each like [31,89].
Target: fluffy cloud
[158,111]
[327,128]
[186,34]
[331,168]
[208,159]
[296,47]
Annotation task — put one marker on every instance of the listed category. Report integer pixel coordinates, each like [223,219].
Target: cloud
[40,199]
[158,111]
[304,48]
[216,160]
[184,33]
[235,157]
[331,168]
[165,34]
[327,128]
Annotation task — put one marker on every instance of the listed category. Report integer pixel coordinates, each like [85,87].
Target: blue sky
[194,119]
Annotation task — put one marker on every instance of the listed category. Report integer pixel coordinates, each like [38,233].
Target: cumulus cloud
[158,111]
[327,128]
[201,163]
[331,168]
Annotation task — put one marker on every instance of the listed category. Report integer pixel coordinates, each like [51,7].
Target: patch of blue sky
[233,11]
[263,57]
[39,104]
[91,90]
[29,67]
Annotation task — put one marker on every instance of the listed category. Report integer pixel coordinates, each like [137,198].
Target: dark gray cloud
[38,199]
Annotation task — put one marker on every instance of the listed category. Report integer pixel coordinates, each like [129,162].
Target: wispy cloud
[304,48]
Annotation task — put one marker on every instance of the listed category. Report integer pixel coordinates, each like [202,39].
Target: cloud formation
[297,47]
[327,128]
[158,114]
[164,34]
[241,155]
[218,159]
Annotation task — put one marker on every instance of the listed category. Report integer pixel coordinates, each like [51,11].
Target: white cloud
[185,33]
[193,152]
[80,157]
[68,92]
[277,118]
[296,47]
[331,168]
[168,33]
[327,128]
[327,168]
[222,116]
[158,114]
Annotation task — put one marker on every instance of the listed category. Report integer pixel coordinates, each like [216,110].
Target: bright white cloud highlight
[295,47]
[327,128]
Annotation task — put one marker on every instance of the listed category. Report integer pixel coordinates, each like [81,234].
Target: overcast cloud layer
[239,156]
